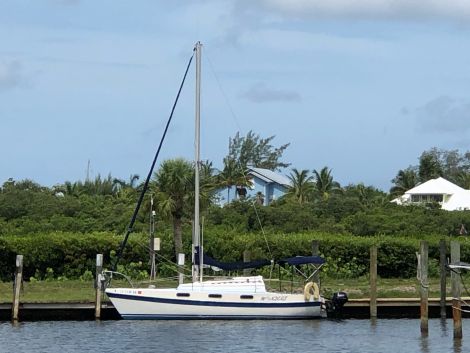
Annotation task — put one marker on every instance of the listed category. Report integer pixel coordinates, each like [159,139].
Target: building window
[425,198]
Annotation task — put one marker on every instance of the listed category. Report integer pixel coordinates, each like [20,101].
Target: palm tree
[70,188]
[324,183]
[207,185]
[120,184]
[405,180]
[430,166]
[174,186]
[174,192]
[302,185]
[463,180]
[233,174]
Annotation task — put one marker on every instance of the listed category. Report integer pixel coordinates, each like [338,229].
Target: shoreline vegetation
[63,256]
[60,267]
[60,229]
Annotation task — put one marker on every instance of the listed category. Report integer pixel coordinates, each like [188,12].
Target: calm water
[231,336]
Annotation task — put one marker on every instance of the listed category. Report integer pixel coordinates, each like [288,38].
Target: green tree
[174,186]
[324,183]
[463,179]
[450,163]
[232,175]
[97,186]
[368,196]
[430,166]
[256,151]
[174,192]
[301,187]
[207,186]
[405,180]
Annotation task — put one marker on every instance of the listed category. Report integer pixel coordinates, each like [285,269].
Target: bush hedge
[72,254]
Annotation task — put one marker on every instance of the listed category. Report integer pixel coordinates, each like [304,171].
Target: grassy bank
[82,291]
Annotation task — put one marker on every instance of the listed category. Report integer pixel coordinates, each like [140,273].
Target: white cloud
[370,9]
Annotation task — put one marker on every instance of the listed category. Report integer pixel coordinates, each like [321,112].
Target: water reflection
[373,324]
[424,343]
[15,323]
[355,336]
[443,325]
[457,345]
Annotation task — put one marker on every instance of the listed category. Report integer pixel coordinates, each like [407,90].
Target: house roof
[457,198]
[269,176]
[436,186]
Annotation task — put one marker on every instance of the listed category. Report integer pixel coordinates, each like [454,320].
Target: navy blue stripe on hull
[213,303]
[215,317]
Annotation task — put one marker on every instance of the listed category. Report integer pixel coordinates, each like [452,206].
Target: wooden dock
[387,308]
[59,311]
[393,308]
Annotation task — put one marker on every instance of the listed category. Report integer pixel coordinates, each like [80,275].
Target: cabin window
[182,294]
[215,295]
[246,297]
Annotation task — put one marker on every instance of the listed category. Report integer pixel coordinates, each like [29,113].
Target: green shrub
[87,276]
[73,255]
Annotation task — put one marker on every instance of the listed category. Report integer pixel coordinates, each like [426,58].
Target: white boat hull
[167,304]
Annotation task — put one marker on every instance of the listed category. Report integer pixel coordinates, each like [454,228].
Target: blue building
[266,186]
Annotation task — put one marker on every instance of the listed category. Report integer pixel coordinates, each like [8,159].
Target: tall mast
[197,270]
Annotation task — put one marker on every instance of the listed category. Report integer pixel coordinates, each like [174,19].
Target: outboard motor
[335,305]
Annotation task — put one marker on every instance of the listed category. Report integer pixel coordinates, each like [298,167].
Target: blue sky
[362,87]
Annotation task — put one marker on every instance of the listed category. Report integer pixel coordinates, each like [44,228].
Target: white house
[265,183]
[451,197]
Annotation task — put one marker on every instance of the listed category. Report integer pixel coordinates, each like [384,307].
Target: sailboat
[244,297]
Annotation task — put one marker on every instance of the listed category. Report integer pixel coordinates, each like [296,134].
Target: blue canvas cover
[229,266]
[302,260]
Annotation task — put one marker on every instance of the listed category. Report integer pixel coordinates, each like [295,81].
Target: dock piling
[98,285]
[373,281]
[316,252]
[424,287]
[443,276]
[455,277]
[17,288]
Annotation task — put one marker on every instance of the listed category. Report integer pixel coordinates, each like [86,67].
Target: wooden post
[246,258]
[17,288]
[456,313]
[443,275]
[180,268]
[98,285]
[373,281]
[423,278]
[316,252]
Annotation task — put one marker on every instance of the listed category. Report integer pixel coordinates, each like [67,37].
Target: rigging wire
[130,228]
[174,266]
[243,171]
